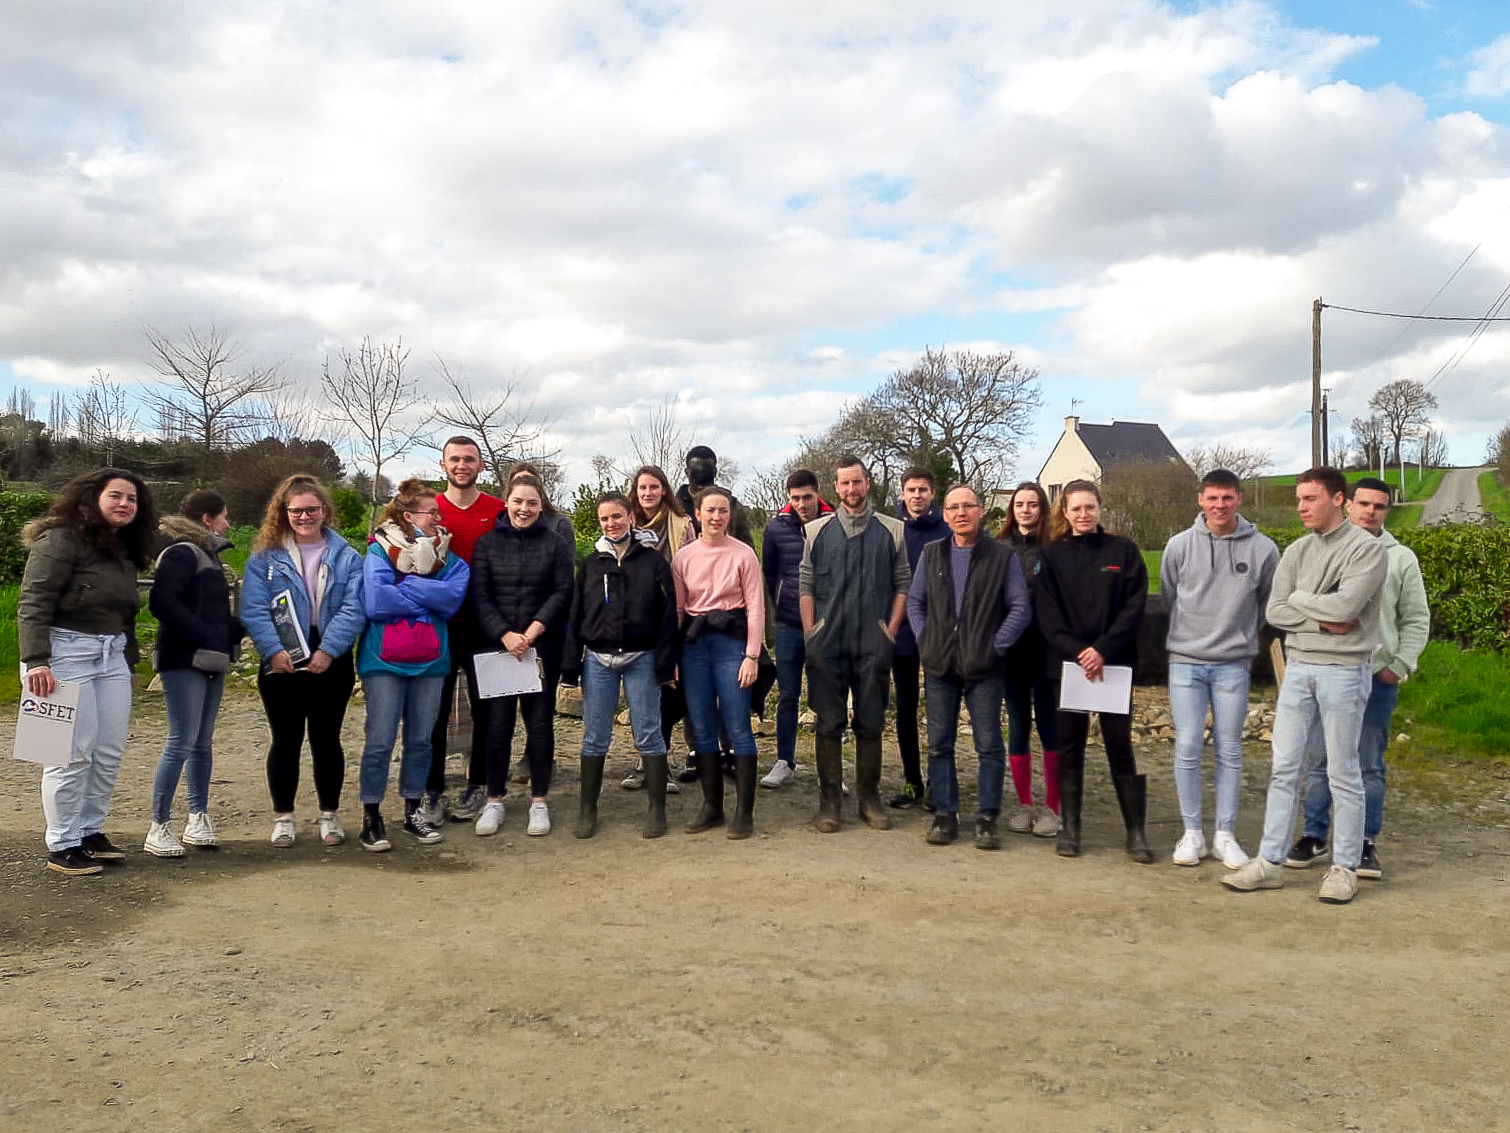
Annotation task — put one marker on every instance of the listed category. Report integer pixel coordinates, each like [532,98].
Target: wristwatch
[752,656]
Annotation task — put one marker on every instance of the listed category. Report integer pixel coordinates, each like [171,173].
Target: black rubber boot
[710,773]
[655,787]
[742,825]
[829,752]
[868,782]
[1071,787]
[1132,797]
[592,786]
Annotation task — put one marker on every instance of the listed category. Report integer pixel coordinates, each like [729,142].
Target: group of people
[670,610]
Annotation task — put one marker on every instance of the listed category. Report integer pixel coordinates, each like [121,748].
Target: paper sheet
[44,725]
[503,674]
[1112,693]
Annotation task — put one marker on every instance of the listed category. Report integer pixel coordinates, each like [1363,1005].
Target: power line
[1422,318]
[1390,345]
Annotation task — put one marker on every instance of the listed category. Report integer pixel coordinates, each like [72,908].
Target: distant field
[1417,486]
[1495,498]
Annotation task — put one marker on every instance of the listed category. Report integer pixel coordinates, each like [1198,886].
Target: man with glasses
[467,513]
[1404,625]
[968,605]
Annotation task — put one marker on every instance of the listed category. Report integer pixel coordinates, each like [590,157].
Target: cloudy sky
[760,209]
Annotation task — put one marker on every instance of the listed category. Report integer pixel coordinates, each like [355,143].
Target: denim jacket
[273,571]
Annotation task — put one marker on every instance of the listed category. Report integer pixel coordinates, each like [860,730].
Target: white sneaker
[1338,886]
[332,833]
[283,831]
[1020,821]
[540,820]
[1191,849]
[161,842]
[1047,824]
[779,775]
[199,830]
[1259,873]
[672,786]
[1225,849]
[489,820]
[434,810]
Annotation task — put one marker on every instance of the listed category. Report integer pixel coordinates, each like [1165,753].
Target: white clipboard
[44,725]
[1112,693]
[503,674]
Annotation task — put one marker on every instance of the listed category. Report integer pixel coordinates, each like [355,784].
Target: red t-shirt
[470,524]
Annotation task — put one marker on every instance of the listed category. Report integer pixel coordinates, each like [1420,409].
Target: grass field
[1417,486]
[1495,498]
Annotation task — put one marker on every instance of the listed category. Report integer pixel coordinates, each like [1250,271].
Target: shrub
[1467,573]
[17,509]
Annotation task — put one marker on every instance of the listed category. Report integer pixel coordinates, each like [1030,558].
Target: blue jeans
[600,702]
[1224,689]
[791,655]
[1373,741]
[983,701]
[193,700]
[1333,697]
[710,680]
[76,797]
[390,698]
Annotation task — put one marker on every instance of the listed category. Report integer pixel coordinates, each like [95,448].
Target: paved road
[1456,500]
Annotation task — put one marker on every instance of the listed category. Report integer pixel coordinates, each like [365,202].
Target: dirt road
[863,981]
[1456,500]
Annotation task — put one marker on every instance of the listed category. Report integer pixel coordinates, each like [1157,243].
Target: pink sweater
[721,576]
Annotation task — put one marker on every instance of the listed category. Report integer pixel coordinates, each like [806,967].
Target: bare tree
[103,417]
[289,415]
[1404,407]
[208,398]
[765,490]
[1369,437]
[661,439]
[376,404]
[1431,449]
[1245,463]
[58,416]
[499,421]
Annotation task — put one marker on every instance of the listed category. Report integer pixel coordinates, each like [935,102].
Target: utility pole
[1318,445]
[1326,449]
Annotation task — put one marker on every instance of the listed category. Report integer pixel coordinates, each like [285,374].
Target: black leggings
[538,710]
[1116,734]
[904,675]
[294,701]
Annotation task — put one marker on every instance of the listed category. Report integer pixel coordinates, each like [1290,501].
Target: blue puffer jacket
[388,597]
[780,557]
[273,571]
[926,528]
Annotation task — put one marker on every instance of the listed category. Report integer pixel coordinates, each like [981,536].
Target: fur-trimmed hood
[182,529]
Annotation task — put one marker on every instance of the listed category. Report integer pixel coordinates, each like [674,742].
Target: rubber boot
[656,775]
[710,773]
[592,786]
[868,782]
[829,752]
[1071,786]
[743,823]
[1132,797]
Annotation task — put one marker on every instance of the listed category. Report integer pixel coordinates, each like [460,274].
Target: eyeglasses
[962,507]
[304,512]
[424,511]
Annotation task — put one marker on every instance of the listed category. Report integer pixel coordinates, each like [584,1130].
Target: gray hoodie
[1216,587]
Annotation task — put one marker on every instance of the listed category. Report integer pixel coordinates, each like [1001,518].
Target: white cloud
[1490,74]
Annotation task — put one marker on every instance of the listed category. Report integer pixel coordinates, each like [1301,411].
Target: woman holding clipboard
[302,605]
[1089,605]
[521,590]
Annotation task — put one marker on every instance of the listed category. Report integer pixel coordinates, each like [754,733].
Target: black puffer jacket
[624,605]
[191,598]
[521,576]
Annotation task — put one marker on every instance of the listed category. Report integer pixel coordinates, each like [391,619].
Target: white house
[1085,452]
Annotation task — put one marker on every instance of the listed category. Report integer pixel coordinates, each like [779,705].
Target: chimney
[1072,424]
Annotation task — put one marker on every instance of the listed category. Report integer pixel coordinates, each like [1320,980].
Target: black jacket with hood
[191,597]
[623,605]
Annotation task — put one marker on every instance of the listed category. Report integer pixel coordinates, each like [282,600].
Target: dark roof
[1128,441]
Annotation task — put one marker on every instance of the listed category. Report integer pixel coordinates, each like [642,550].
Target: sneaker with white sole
[162,842]
[420,828]
[1190,849]
[540,821]
[1224,848]
[1020,821]
[1306,852]
[1368,864]
[1047,824]
[635,779]
[469,803]
[1339,886]
[779,775]
[283,831]
[200,831]
[332,833]
[489,820]
[374,836]
[1259,873]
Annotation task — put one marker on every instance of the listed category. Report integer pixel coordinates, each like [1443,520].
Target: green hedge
[16,510]
[1467,573]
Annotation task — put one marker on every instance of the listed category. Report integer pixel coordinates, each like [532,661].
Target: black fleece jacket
[1091,591]
[521,576]
[191,600]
